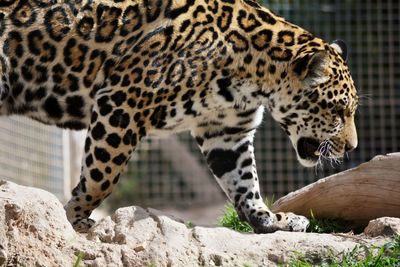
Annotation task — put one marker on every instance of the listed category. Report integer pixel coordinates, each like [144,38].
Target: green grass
[78,261]
[231,220]
[321,226]
[385,256]
[189,224]
[269,202]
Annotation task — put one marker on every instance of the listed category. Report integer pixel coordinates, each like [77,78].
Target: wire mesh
[32,154]
[371,29]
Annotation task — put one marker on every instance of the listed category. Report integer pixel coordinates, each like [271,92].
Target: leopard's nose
[349,147]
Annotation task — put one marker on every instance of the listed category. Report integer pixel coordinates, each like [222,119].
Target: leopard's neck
[256,49]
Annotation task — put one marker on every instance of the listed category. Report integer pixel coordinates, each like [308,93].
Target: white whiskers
[325,154]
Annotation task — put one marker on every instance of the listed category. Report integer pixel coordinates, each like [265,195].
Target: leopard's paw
[292,222]
[267,222]
[83,225]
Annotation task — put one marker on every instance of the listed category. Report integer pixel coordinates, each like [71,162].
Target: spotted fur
[128,69]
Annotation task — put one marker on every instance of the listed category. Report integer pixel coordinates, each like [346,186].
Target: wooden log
[369,191]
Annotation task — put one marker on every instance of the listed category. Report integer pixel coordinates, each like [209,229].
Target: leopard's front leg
[229,153]
[114,131]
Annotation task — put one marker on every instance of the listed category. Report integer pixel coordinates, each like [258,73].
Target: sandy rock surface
[34,231]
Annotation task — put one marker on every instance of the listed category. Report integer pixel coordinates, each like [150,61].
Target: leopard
[128,69]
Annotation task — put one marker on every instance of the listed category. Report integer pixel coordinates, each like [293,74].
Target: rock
[369,191]
[386,226]
[34,231]
[33,227]
[3,255]
[125,226]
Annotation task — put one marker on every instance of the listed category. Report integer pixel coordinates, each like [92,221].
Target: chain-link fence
[32,154]
[372,31]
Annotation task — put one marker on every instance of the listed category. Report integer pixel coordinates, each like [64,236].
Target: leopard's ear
[340,47]
[311,67]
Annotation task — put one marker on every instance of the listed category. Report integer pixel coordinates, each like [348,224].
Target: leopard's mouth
[308,149]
